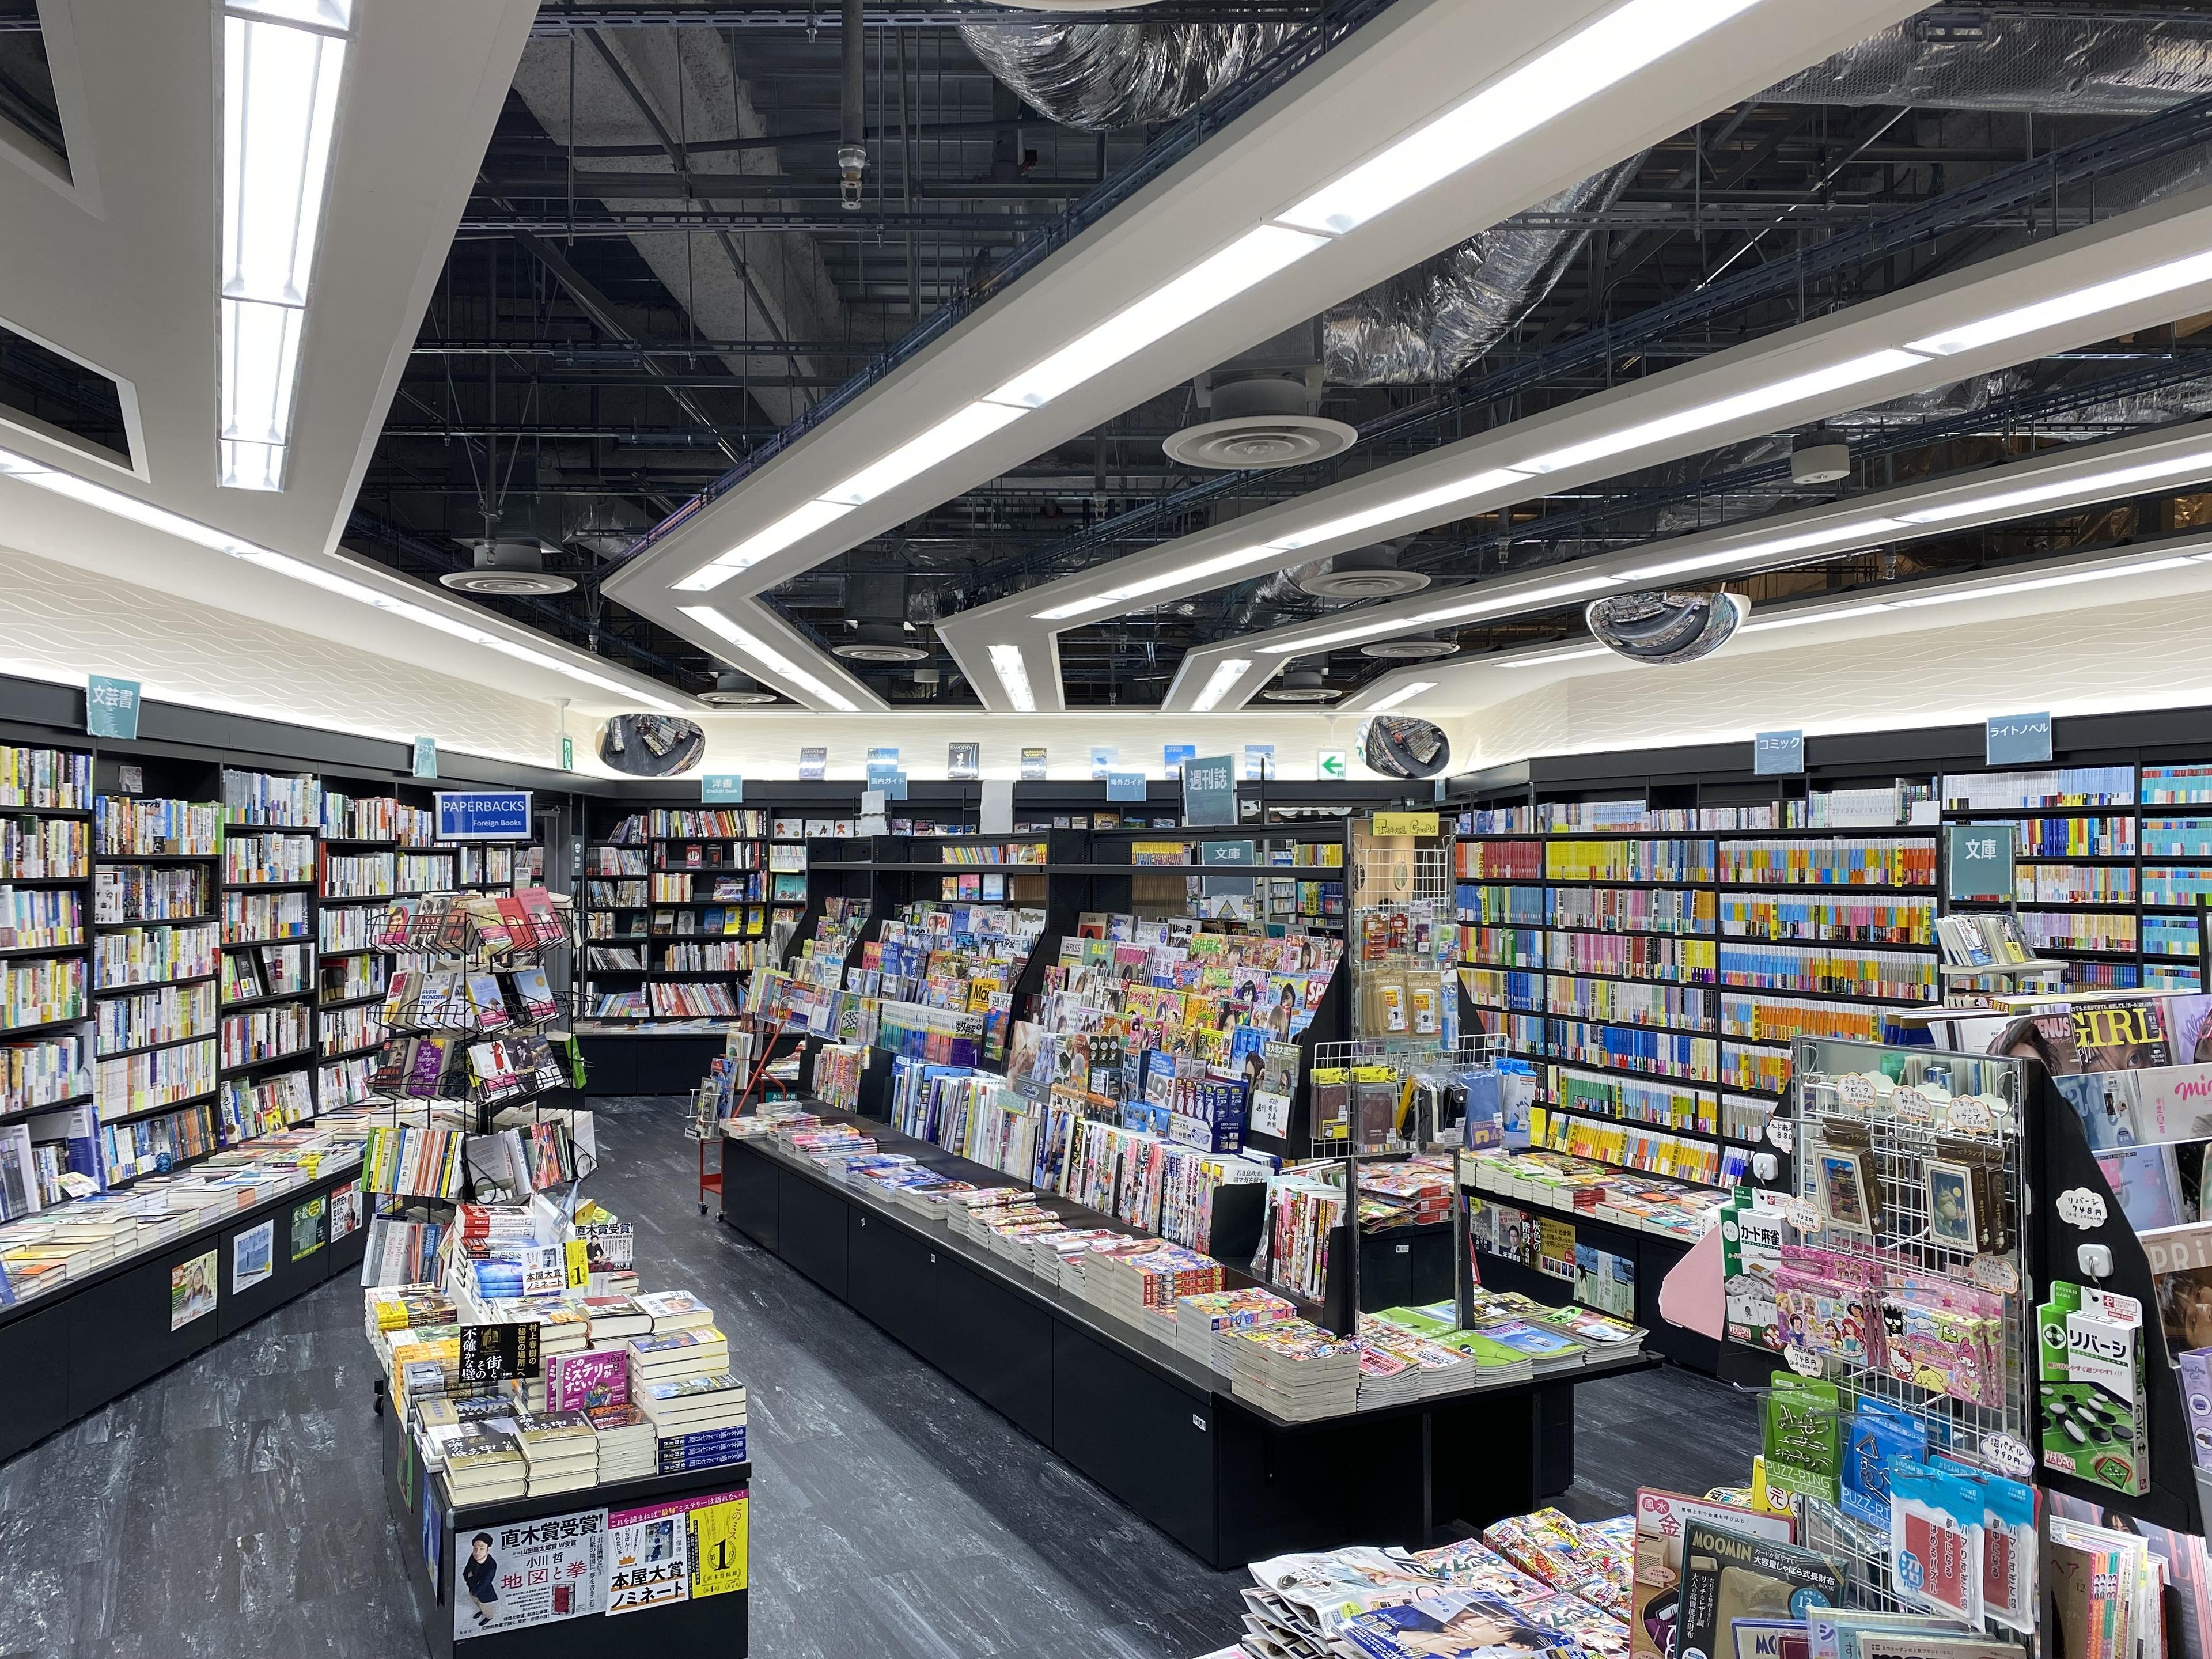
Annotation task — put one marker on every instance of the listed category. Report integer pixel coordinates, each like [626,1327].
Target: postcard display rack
[132,1055]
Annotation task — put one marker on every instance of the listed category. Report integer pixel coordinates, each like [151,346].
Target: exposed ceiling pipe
[852,125]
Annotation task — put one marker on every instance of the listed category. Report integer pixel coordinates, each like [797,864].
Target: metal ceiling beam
[741,186]
[601,311]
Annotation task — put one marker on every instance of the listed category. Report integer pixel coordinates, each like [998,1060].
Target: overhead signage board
[2016,739]
[483,814]
[1209,790]
[1777,754]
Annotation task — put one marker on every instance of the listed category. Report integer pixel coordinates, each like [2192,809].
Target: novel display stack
[1653,964]
[681,905]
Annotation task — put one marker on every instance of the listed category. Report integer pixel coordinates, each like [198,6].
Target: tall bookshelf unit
[47,1007]
[681,905]
[270,856]
[157,908]
[1653,962]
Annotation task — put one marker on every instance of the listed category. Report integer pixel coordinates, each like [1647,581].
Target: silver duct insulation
[2051,66]
[1430,323]
[1099,77]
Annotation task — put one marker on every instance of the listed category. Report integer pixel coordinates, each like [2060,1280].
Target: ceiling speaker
[736,691]
[1655,629]
[513,569]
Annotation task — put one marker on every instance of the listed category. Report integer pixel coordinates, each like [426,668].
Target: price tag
[1913,1107]
[1995,1272]
[2007,1454]
[1802,1216]
[2080,1207]
[1857,1091]
[1782,1132]
[1969,1114]
[1802,1360]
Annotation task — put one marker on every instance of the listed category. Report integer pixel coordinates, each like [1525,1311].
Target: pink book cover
[578,1382]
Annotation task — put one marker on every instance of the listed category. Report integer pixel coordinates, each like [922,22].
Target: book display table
[551,1599]
[93,1338]
[1162,1431]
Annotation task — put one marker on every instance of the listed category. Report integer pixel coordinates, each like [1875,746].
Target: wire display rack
[1903,1239]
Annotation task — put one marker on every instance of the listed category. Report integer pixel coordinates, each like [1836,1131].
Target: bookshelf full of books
[681,905]
[270,859]
[47,1069]
[157,910]
[367,857]
[1653,965]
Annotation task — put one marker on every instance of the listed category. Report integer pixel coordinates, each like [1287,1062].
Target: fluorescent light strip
[2146,284]
[1557,656]
[761,650]
[2069,580]
[799,522]
[1245,263]
[1854,372]
[1404,693]
[114,501]
[1014,675]
[1225,674]
[1569,73]
[1252,259]
[2199,460]
[280,87]
[1857,530]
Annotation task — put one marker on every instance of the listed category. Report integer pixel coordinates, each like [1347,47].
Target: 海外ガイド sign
[1125,786]
[483,814]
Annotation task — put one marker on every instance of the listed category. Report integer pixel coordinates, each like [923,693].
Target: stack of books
[615,1319]
[560,1449]
[700,1421]
[484,1465]
[1295,1369]
[1131,1287]
[625,1440]
[677,1358]
[1547,1350]
[1204,1324]
[674,1310]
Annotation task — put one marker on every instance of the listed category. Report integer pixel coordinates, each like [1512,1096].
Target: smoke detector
[736,691]
[1262,410]
[1365,573]
[1819,457]
[1414,648]
[880,642]
[1302,685]
[513,569]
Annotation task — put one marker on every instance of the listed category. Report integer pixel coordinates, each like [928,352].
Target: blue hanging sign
[2016,739]
[111,707]
[722,789]
[1125,786]
[1777,754]
[1209,790]
[483,814]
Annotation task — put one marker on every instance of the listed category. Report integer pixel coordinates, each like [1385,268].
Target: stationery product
[1849,1184]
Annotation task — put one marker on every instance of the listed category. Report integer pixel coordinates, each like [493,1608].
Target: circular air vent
[734,690]
[514,569]
[1302,685]
[1417,648]
[1665,628]
[1365,573]
[1251,443]
[880,642]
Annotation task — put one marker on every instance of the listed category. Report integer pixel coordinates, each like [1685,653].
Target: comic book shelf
[1158,1428]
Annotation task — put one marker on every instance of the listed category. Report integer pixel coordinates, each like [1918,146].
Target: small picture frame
[1952,1219]
[1844,1197]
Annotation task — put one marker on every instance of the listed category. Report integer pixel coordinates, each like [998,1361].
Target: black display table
[70,1350]
[706,1627]
[1225,1478]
